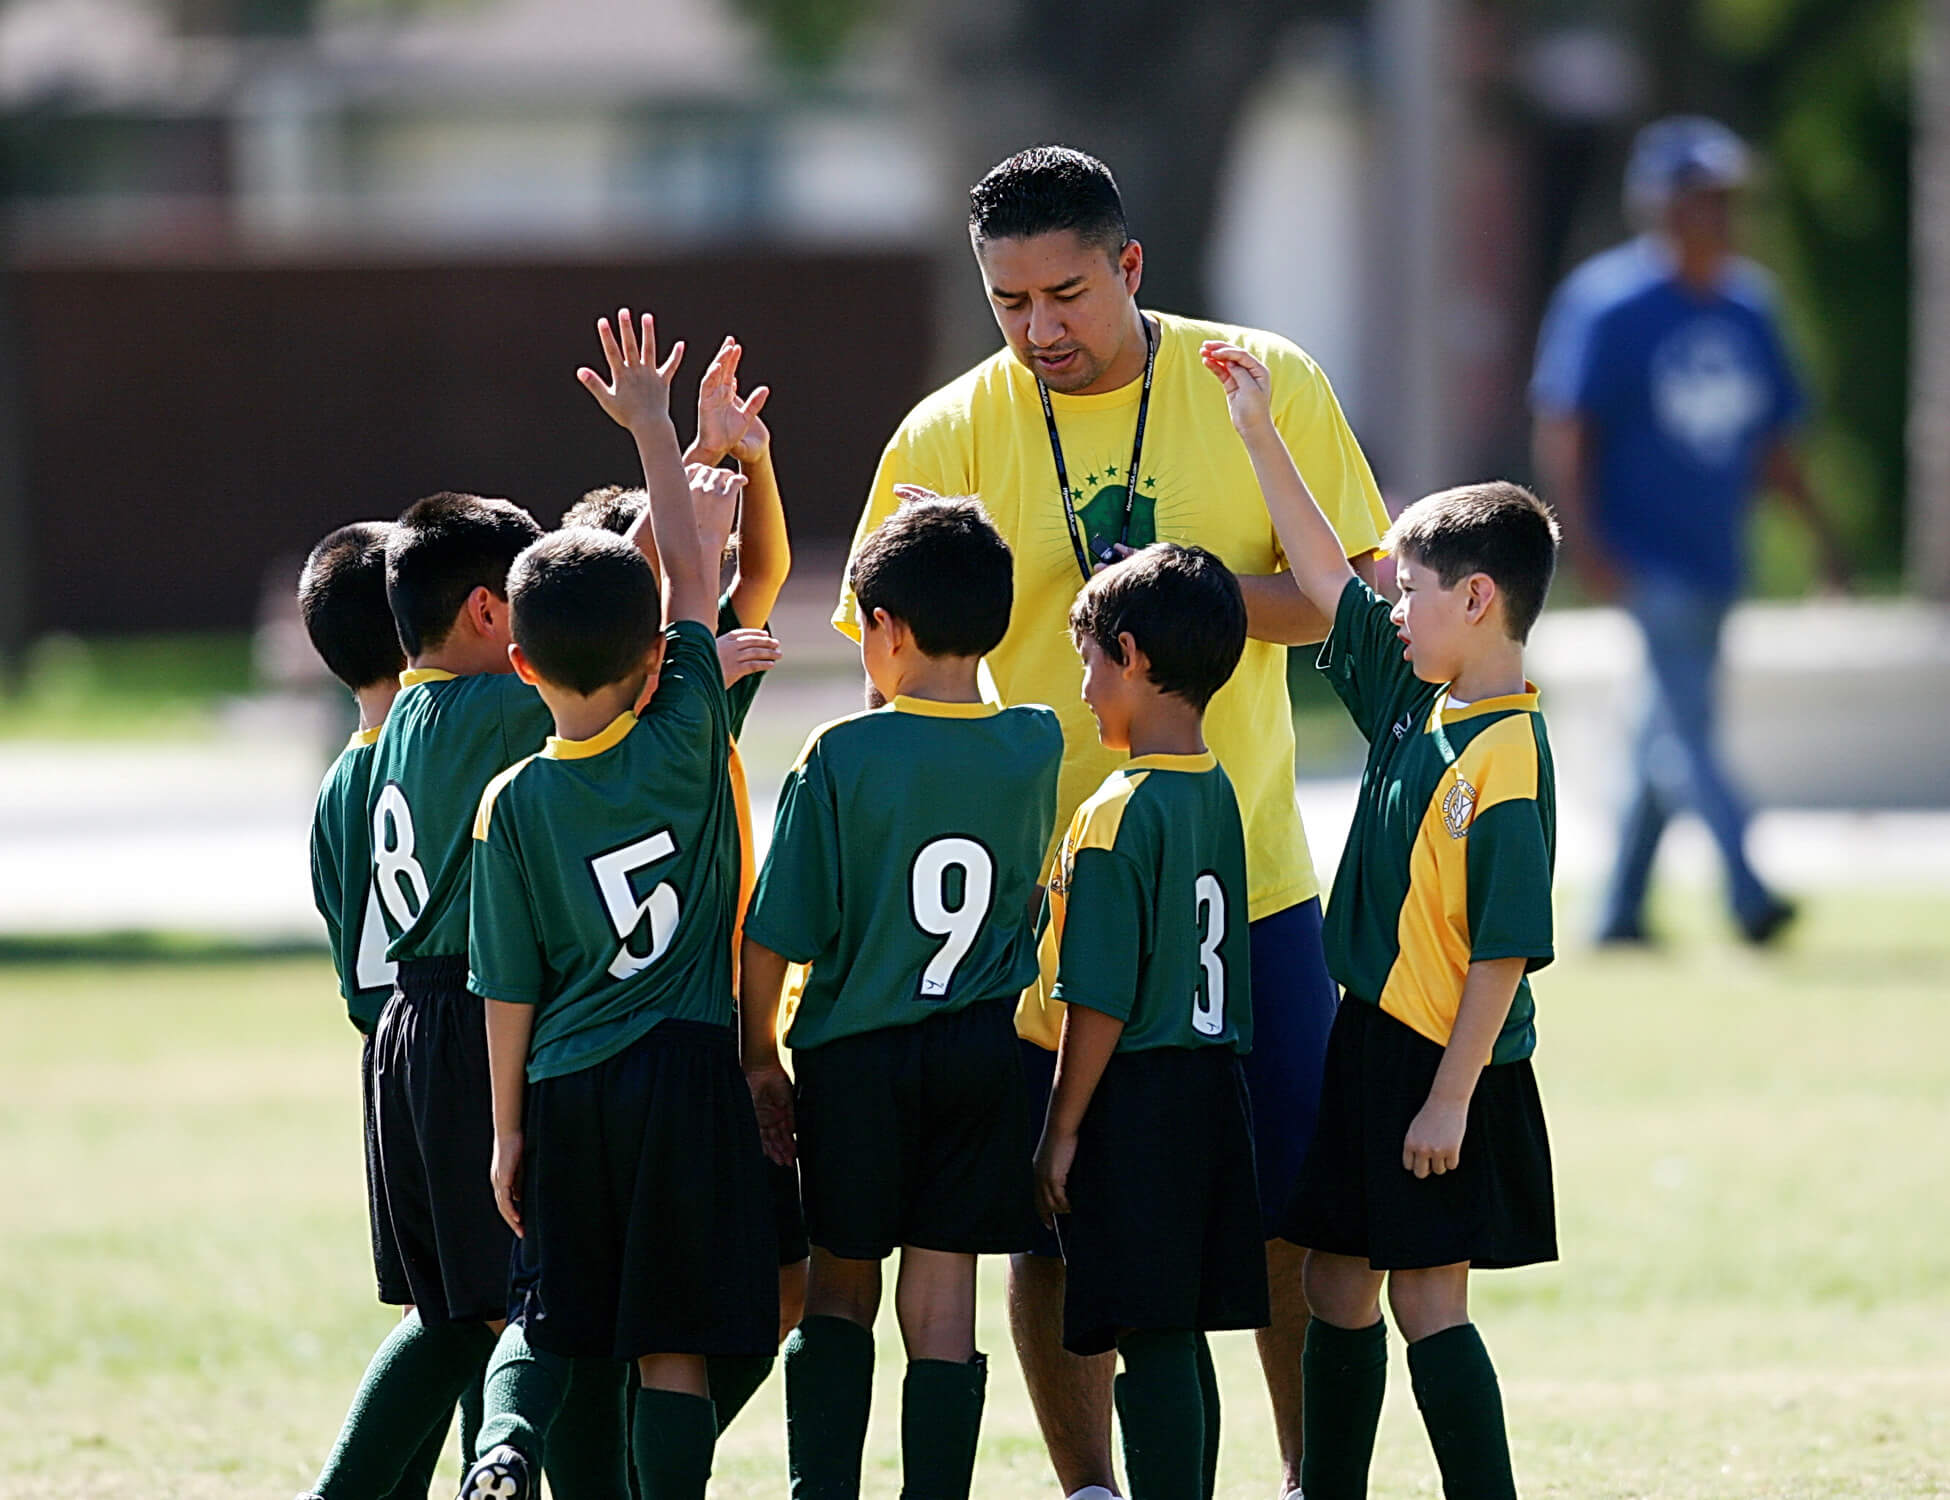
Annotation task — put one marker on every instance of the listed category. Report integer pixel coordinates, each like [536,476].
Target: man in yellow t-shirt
[1089,395]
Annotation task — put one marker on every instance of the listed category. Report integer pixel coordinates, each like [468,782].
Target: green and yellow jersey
[342,883]
[606,872]
[446,738]
[984,435]
[904,859]
[1147,910]
[1454,840]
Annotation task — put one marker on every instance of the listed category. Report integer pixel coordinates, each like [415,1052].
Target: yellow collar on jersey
[414,676]
[363,737]
[934,708]
[558,748]
[1205,760]
[1524,702]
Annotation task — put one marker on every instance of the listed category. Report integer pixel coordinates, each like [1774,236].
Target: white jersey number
[1209,998]
[626,913]
[371,968]
[401,882]
[959,924]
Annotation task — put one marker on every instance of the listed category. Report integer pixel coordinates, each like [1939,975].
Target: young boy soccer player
[626,1150]
[1147,1154]
[902,870]
[342,599]
[1430,1156]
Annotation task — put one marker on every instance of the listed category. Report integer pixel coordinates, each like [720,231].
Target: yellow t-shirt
[983,435]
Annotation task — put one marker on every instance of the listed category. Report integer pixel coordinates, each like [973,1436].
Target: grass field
[1754,1203]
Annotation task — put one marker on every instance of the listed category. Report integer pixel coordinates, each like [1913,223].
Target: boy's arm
[1435,1135]
[1089,1039]
[637,397]
[1313,550]
[509,1027]
[761,982]
[729,426]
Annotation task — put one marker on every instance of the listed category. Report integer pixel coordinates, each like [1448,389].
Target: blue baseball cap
[1680,152]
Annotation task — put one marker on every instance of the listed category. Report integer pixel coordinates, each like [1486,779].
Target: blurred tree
[807,35]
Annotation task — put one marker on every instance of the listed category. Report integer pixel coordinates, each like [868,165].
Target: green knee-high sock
[1161,1415]
[941,1423]
[1208,1400]
[588,1443]
[734,1380]
[415,1376]
[521,1396]
[1455,1385]
[470,1422]
[672,1439]
[417,1477]
[828,1390]
[1343,1373]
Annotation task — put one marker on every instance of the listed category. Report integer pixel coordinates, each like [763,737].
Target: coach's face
[1065,307]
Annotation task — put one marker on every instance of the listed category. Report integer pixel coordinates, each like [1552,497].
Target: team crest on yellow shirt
[1458,807]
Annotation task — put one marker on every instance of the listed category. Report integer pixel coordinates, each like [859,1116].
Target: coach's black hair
[1183,609]
[1047,188]
[943,568]
[342,599]
[1497,528]
[609,508]
[585,608]
[441,550]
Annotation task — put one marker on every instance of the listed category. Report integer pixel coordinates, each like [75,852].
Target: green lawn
[1754,1199]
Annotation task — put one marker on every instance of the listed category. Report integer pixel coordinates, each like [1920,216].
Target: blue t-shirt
[1681,393]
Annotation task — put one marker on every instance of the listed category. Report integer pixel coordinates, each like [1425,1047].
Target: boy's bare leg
[1071,1393]
[674,1429]
[1347,1374]
[792,1296]
[935,1300]
[1428,1302]
[1281,1345]
[829,1375]
[946,1383]
[1342,1290]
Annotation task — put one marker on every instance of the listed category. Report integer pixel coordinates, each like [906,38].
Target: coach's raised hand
[638,389]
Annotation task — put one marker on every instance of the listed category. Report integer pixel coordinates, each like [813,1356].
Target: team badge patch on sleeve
[1458,807]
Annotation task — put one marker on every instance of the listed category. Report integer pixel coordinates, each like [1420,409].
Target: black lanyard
[1130,480]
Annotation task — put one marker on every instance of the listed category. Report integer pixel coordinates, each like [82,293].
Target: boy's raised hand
[714,498]
[728,425]
[1248,383]
[743,652]
[637,392]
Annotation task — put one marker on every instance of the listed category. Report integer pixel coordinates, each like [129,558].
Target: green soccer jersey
[606,873]
[1147,906]
[446,738]
[904,858]
[342,884]
[1449,860]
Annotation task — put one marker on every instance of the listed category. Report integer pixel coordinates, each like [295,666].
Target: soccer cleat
[1772,921]
[498,1474]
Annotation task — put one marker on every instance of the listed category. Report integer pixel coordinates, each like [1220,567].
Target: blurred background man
[1664,396]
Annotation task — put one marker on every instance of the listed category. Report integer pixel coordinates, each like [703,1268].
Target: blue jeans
[1674,764]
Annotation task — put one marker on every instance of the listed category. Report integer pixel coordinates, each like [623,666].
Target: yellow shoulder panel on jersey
[1102,814]
[486,814]
[1500,764]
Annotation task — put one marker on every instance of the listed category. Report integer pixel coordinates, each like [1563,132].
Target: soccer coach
[1097,430]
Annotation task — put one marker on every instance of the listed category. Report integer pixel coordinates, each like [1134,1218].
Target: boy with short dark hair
[342,600]
[1147,1153]
[902,870]
[626,1151]
[1431,1155]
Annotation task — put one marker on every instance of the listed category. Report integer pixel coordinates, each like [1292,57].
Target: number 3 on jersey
[626,913]
[961,923]
[1209,997]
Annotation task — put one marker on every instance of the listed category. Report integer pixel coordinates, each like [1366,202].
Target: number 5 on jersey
[626,913]
[961,923]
